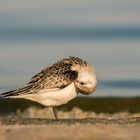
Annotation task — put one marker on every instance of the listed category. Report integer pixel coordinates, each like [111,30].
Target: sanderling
[59,83]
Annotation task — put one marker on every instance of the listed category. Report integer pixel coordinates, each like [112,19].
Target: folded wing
[59,75]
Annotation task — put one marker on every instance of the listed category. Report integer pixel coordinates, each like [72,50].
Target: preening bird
[59,83]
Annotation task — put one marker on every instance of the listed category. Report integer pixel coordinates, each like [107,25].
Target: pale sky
[73,13]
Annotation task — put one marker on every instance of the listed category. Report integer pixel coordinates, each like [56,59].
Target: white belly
[52,97]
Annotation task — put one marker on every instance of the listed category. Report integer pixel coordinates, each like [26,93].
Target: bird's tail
[7,94]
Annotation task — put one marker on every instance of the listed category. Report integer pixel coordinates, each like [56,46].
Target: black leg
[55,112]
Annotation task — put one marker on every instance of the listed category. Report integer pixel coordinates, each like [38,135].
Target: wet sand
[83,118]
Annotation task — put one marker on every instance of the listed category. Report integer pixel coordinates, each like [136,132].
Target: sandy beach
[82,118]
[75,131]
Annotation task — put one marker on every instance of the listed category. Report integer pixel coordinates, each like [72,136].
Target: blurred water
[115,54]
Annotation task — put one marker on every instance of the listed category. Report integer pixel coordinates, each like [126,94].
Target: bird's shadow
[8,106]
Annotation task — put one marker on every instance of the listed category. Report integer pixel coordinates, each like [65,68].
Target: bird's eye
[82,83]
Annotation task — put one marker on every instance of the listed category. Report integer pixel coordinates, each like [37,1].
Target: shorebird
[59,83]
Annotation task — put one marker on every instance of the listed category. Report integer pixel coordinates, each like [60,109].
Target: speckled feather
[59,75]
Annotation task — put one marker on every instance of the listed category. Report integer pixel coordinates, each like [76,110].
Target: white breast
[53,97]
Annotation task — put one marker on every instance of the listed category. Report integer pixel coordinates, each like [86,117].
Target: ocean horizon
[35,34]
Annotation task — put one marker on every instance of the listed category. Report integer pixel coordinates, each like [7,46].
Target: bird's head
[86,80]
